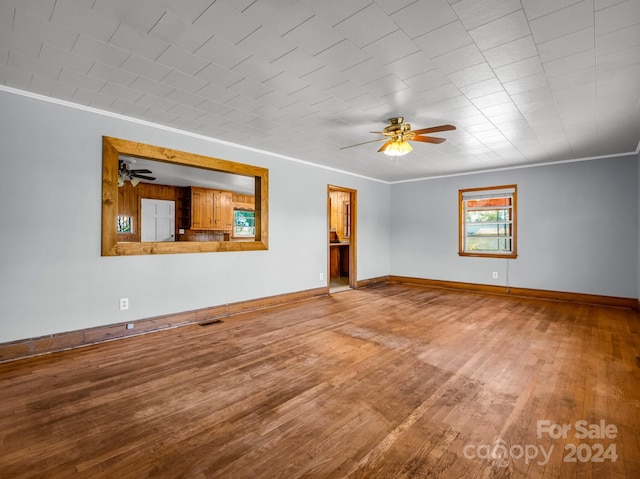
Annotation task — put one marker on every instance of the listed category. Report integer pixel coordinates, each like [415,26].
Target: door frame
[353,242]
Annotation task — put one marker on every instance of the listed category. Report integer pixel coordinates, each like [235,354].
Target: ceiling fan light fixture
[398,148]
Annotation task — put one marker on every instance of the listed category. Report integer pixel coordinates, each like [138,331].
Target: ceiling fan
[134,176]
[398,133]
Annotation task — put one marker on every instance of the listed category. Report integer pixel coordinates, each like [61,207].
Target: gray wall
[577,228]
[52,277]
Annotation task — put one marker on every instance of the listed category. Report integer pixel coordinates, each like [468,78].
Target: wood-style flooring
[391,381]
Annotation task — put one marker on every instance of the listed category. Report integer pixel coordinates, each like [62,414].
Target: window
[244,223]
[488,222]
[124,225]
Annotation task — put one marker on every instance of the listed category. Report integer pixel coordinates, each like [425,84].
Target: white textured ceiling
[524,81]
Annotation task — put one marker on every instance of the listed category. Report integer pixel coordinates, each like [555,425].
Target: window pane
[244,223]
[488,220]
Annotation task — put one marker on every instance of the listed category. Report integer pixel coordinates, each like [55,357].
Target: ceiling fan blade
[384,147]
[141,171]
[428,139]
[143,177]
[358,144]
[434,129]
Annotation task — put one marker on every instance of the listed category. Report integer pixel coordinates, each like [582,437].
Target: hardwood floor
[391,381]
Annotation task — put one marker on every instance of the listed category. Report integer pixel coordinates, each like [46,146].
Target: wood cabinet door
[201,208]
[223,210]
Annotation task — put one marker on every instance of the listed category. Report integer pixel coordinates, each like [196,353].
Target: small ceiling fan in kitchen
[399,133]
[125,173]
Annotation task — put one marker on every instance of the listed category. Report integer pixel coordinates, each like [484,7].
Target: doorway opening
[342,234]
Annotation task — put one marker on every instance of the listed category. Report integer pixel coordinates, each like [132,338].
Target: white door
[158,220]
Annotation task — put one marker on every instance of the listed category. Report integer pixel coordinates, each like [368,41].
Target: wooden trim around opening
[25,348]
[631,303]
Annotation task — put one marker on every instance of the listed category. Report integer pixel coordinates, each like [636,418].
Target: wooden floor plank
[393,381]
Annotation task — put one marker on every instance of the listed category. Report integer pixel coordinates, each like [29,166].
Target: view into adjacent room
[342,238]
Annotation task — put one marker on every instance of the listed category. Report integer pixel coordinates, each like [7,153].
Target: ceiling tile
[221,51]
[511,52]
[314,36]
[55,56]
[40,29]
[517,70]
[342,55]
[571,63]
[256,69]
[22,44]
[482,88]
[146,68]
[141,15]
[266,45]
[137,42]
[459,59]
[179,59]
[211,74]
[80,81]
[118,91]
[365,72]
[501,31]
[298,62]
[474,13]
[180,32]
[248,87]
[287,83]
[427,80]
[189,11]
[567,45]
[366,26]
[79,17]
[538,8]
[520,85]
[150,87]
[411,65]
[325,78]
[618,40]
[386,85]
[7,13]
[444,39]
[618,16]
[111,74]
[185,82]
[424,16]
[390,48]
[226,22]
[335,12]
[33,67]
[99,51]
[562,22]
[281,16]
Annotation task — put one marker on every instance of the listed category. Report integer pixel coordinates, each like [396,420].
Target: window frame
[234,234]
[483,191]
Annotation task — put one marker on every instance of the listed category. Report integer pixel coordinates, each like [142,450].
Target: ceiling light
[398,148]
[135,181]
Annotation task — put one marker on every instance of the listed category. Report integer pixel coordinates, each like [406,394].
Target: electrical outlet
[130,326]
[321,276]
[495,275]
[124,304]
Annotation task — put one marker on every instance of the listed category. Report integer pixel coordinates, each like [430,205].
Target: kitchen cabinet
[211,209]
[202,200]
[223,210]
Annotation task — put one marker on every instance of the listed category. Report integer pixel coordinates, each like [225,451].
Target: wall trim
[24,348]
[363,283]
[619,302]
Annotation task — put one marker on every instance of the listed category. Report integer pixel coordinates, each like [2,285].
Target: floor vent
[210,322]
